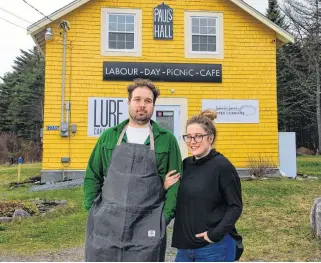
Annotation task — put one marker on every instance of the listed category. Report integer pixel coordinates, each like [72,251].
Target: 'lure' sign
[163,22]
[104,113]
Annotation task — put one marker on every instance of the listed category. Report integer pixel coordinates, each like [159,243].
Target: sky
[15,37]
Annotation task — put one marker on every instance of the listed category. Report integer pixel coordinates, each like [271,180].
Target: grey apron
[126,221]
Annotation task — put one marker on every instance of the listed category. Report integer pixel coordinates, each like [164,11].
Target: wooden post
[19,168]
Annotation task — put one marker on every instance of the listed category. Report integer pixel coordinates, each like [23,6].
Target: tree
[21,101]
[273,13]
[305,21]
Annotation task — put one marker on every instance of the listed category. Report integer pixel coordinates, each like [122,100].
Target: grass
[310,165]
[275,221]
[63,228]
[10,174]
[274,224]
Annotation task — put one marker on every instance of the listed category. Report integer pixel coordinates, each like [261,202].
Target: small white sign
[151,233]
[104,113]
[234,111]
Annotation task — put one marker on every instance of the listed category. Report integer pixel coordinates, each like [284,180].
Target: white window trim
[137,51]
[219,53]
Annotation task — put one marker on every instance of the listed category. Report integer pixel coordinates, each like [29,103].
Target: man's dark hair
[138,83]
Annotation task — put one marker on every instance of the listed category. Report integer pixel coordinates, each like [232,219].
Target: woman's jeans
[222,251]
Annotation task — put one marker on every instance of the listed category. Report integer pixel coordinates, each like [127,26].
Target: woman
[209,198]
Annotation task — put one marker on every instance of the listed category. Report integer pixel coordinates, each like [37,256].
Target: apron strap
[151,137]
[121,135]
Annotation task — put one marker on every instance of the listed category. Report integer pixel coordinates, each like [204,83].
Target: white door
[169,117]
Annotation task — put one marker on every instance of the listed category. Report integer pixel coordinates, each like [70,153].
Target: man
[129,209]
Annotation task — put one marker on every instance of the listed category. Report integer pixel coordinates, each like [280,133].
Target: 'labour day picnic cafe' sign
[163,22]
[174,72]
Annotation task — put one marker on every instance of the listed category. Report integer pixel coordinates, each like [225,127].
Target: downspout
[64,125]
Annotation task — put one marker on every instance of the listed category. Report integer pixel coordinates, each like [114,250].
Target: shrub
[261,166]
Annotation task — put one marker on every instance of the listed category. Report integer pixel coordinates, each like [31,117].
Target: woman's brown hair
[205,120]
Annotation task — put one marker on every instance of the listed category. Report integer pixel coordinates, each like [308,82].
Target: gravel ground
[75,254]
[55,186]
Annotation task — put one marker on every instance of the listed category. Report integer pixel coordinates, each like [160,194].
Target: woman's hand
[205,236]
[171,179]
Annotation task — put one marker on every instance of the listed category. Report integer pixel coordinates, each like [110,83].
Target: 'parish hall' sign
[173,72]
[163,22]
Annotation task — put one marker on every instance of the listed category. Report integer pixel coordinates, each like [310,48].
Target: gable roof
[40,26]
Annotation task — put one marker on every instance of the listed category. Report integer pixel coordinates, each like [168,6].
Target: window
[121,32]
[203,35]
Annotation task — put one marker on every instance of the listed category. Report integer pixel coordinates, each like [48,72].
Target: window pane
[195,22]
[130,19]
[112,26]
[203,47]
[211,22]
[121,19]
[203,30]
[129,37]
[112,44]
[129,45]
[112,18]
[203,21]
[121,37]
[121,27]
[195,39]
[211,47]
[121,45]
[112,36]
[203,39]
[195,47]
[211,40]
[211,30]
[129,27]
[195,30]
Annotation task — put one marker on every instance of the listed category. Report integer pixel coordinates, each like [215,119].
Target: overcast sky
[14,38]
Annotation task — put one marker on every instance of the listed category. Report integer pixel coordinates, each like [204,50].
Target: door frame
[182,102]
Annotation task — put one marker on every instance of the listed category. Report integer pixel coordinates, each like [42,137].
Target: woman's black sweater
[209,199]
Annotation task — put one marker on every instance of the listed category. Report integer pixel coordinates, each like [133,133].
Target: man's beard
[140,118]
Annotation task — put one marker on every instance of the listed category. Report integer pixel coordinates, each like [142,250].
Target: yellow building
[217,54]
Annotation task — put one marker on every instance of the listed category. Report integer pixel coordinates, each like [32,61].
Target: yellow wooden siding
[249,72]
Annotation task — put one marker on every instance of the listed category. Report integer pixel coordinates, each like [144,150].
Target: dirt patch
[75,254]
[31,208]
[36,180]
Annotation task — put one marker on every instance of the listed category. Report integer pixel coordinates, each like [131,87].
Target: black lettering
[112,112]
[118,110]
[95,115]
[104,121]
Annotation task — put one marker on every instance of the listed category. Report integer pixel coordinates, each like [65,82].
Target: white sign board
[287,154]
[234,111]
[104,113]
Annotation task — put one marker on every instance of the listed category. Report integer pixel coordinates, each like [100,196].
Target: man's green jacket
[168,158]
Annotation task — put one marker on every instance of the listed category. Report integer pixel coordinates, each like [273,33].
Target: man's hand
[171,179]
[205,236]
